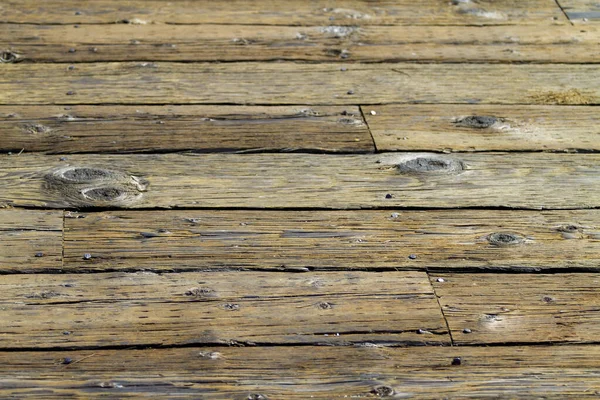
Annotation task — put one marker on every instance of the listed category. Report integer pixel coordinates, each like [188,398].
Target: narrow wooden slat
[582,12]
[118,42]
[483,128]
[30,240]
[306,373]
[540,180]
[76,129]
[504,308]
[292,83]
[183,240]
[73,310]
[282,12]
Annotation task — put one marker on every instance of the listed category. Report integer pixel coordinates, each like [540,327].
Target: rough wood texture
[283,12]
[302,373]
[30,240]
[582,12]
[49,311]
[82,129]
[483,128]
[299,241]
[560,181]
[118,42]
[527,308]
[292,83]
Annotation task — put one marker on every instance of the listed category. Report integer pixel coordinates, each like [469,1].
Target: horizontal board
[281,12]
[504,308]
[121,42]
[483,128]
[540,180]
[300,373]
[582,12]
[83,129]
[293,83]
[299,241]
[30,240]
[75,310]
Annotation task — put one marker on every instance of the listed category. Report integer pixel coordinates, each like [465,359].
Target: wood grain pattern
[30,240]
[303,240]
[75,310]
[121,42]
[582,12]
[281,12]
[84,129]
[500,308]
[537,181]
[292,83]
[483,128]
[299,372]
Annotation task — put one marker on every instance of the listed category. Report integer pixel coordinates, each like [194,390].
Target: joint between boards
[437,299]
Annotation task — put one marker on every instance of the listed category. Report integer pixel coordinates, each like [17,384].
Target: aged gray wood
[293,83]
[535,181]
[98,129]
[75,310]
[283,12]
[505,308]
[483,128]
[303,240]
[299,372]
[30,240]
[125,42]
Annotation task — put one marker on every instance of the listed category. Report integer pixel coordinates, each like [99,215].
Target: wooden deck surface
[258,199]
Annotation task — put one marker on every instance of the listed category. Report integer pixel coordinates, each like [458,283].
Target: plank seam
[362,114]
[563,11]
[437,299]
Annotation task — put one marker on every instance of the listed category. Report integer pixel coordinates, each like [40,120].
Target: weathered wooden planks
[301,373]
[582,12]
[292,83]
[49,311]
[540,180]
[500,308]
[119,42]
[82,129]
[303,240]
[30,240]
[483,128]
[281,12]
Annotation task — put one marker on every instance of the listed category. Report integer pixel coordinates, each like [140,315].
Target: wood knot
[504,239]
[8,56]
[383,391]
[430,164]
[477,121]
[94,187]
[36,129]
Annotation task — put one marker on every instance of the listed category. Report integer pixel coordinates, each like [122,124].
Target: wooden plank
[582,12]
[536,181]
[483,128]
[81,129]
[75,310]
[119,42]
[499,308]
[184,240]
[30,240]
[292,83]
[281,12]
[302,373]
